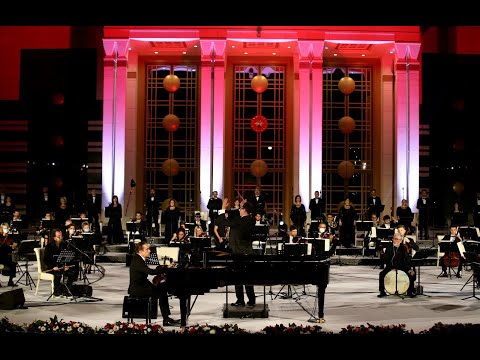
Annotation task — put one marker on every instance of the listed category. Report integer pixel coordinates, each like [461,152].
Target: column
[309,91]
[212,119]
[114,110]
[407,74]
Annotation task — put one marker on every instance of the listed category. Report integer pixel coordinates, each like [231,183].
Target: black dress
[170,218]
[347,229]
[115,231]
[298,216]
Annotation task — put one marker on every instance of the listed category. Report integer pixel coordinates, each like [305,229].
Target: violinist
[7,246]
[141,286]
[454,252]
[408,242]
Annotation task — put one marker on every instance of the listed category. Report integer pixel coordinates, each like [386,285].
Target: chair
[42,275]
[439,253]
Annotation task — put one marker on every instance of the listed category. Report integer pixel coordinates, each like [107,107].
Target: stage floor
[351,299]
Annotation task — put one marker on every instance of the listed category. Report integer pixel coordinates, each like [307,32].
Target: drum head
[402,282]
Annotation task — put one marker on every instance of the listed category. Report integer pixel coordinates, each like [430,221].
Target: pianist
[242,229]
[140,286]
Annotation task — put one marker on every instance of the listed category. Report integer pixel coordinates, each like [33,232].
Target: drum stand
[396,285]
[419,288]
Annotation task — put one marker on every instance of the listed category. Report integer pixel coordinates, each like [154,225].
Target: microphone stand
[85,279]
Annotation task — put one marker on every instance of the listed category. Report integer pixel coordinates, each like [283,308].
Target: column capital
[215,46]
[118,46]
[408,51]
[309,49]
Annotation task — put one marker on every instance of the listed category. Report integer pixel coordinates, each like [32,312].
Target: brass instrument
[332,224]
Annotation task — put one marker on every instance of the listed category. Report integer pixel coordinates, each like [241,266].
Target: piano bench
[139,307]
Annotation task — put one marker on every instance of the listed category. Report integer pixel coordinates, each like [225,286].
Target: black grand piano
[219,269]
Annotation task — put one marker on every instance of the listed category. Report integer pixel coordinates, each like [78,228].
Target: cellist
[454,253]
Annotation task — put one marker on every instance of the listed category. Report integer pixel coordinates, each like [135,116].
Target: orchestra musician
[424,204]
[214,204]
[404,214]
[292,236]
[114,212]
[220,231]
[332,225]
[140,286]
[371,236]
[397,257]
[8,244]
[323,233]
[199,222]
[476,211]
[347,216]
[152,205]
[52,250]
[298,215]
[454,252]
[94,208]
[258,201]
[374,204]
[316,211]
[170,218]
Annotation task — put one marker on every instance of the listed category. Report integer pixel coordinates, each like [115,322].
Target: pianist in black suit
[240,240]
[142,287]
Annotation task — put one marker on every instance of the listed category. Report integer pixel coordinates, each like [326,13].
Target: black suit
[213,206]
[142,287]
[423,215]
[374,206]
[240,240]
[153,210]
[94,208]
[316,213]
[258,204]
[476,213]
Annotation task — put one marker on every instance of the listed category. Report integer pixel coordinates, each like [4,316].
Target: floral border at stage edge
[59,326]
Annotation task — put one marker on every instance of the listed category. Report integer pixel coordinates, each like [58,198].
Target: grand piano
[218,269]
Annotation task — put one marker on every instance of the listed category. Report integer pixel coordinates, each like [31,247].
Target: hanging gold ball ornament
[346,125]
[346,85]
[170,167]
[171,83]
[458,187]
[346,169]
[258,168]
[171,122]
[259,84]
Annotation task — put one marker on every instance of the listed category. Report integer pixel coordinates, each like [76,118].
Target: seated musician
[261,227]
[332,224]
[370,239]
[180,237]
[404,214]
[453,254]
[388,223]
[291,237]
[324,234]
[59,270]
[139,227]
[8,244]
[397,257]
[411,244]
[142,287]
[199,222]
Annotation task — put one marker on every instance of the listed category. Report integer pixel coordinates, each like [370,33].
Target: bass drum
[400,278]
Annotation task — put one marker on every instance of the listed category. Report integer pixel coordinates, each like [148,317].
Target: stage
[350,299]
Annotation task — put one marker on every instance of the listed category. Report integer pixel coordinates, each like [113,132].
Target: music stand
[24,250]
[78,221]
[468,232]
[295,249]
[419,259]
[364,226]
[18,224]
[472,258]
[384,233]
